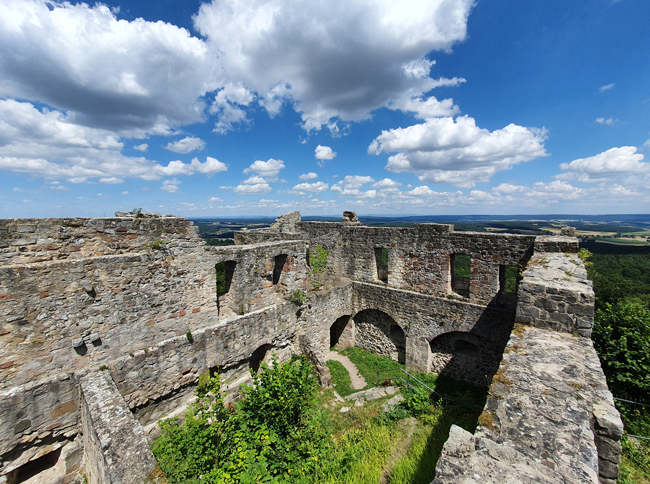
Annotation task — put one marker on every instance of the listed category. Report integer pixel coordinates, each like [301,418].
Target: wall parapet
[115,447]
[549,402]
[554,293]
[36,240]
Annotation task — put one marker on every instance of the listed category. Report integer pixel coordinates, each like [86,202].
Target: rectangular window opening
[225,271]
[277,268]
[381,259]
[460,265]
[508,278]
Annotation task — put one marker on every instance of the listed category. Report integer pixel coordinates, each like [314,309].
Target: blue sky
[260,107]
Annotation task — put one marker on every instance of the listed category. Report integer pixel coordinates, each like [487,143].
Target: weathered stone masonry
[127,309]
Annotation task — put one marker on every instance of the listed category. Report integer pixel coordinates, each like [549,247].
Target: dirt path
[408,427]
[358,381]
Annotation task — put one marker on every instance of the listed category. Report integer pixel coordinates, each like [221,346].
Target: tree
[622,339]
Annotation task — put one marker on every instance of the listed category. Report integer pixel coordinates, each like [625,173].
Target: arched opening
[337,331]
[259,356]
[377,331]
[278,267]
[460,266]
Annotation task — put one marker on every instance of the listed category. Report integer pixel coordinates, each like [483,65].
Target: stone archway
[377,331]
[464,356]
[261,354]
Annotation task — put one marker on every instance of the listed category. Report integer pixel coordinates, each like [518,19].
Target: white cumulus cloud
[611,163]
[305,188]
[305,53]
[252,188]
[308,176]
[266,169]
[110,73]
[170,186]
[186,145]
[458,152]
[324,153]
[608,121]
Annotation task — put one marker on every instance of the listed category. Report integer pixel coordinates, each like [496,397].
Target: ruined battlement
[25,241]
[135,300]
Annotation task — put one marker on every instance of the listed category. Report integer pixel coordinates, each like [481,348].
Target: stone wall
[418,257]
[556,294]
[377,331]
[424,318]
[252,285]
[83,313]
[115,448]
[36,418]
[25,241]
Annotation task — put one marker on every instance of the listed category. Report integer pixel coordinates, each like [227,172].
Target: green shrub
[272,435]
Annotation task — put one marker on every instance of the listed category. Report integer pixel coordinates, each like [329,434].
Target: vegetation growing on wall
[318,260]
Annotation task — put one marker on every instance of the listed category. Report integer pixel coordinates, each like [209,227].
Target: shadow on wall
[377,331]
[339,335]
[225,272]
[474,357]
[278,268]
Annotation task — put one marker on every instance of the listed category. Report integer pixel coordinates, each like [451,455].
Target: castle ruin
[107,323]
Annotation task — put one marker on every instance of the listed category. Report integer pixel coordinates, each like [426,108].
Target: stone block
[63,409]
[607,470]
[608,420]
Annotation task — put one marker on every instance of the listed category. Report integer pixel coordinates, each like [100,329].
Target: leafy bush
[280,395]
[272,435]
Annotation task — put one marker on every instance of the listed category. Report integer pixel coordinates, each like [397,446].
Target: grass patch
[340,378]
[361,452]
[419,463]
[635,462]
[369,362]
[366,429]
